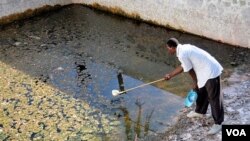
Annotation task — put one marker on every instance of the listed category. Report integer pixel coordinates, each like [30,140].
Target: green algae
[50,115]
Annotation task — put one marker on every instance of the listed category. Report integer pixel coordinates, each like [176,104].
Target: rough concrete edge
[135,16]
[114,10]
[28,13]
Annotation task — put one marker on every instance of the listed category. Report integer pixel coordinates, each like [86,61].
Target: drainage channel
[72,56]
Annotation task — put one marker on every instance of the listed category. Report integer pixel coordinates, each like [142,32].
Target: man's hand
[167,77]
[175,72]
[195,86]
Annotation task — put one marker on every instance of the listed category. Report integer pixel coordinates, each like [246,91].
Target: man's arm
[175,72]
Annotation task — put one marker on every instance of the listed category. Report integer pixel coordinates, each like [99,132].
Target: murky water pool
[58,71]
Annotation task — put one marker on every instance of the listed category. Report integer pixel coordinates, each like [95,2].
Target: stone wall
[226,21]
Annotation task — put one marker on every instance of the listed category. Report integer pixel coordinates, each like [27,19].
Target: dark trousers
[211,94]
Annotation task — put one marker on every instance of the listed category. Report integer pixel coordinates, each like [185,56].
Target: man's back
[204,65]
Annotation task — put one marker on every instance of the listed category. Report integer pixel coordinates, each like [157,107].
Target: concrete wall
[227,21]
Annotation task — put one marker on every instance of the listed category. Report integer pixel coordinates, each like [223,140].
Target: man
[205,72]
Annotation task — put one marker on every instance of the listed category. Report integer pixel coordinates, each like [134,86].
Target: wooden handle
[142,85]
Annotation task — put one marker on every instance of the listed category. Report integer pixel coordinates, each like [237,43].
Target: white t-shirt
[204,65]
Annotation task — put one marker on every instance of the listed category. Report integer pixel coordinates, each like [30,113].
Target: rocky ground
[237,111]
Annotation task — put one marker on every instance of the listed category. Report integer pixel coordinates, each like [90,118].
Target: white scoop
[115,92]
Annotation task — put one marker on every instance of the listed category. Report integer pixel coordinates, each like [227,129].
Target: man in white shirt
[205,71]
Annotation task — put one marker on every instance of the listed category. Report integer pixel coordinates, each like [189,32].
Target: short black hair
[172,42]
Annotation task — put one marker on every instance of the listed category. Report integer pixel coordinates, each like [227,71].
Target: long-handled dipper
[117,92]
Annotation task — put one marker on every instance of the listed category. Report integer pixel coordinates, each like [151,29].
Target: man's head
[171,45]
[172,42]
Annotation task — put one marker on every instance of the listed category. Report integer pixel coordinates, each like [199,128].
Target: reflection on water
[120,81]
[140,129]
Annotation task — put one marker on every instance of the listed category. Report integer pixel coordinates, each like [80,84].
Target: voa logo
[236,132]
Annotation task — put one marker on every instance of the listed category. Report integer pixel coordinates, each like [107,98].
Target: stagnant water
[58,71]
